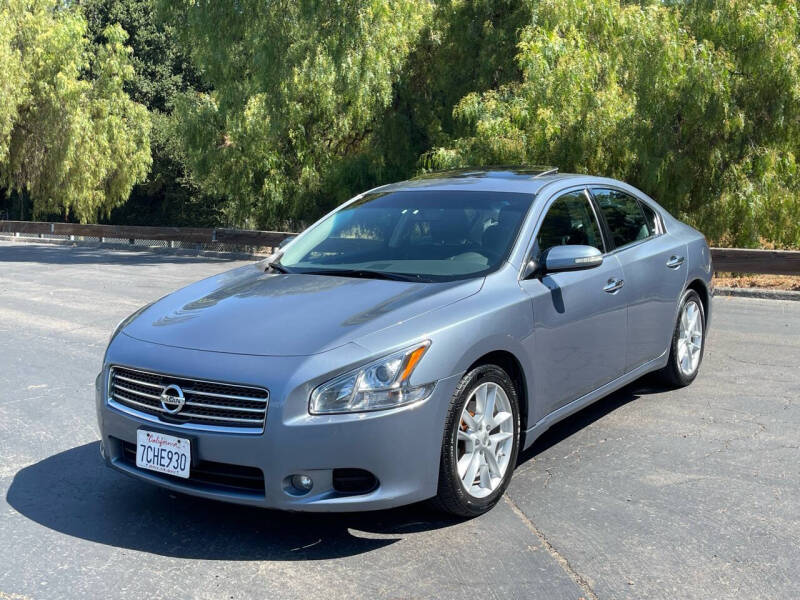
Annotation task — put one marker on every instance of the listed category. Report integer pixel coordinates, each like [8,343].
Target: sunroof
[493,172]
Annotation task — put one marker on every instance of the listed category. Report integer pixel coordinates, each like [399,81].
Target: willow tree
[161,70]
[70,137]
[698,103]
[297,87]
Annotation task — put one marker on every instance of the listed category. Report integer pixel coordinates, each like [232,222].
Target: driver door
[580,320]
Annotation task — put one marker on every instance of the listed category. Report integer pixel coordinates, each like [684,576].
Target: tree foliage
[297,87]
[161,68]
[695,102]
[161,71]
[270,112]
[70,136]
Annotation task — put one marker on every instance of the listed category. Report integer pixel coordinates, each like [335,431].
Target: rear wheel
[688,342]
[481,442]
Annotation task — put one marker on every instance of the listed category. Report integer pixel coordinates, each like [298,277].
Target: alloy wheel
[690,338]
[485,440]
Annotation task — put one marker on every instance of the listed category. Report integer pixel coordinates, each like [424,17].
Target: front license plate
[163,453]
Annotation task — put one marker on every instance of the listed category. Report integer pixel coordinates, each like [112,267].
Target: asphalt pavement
[649,493]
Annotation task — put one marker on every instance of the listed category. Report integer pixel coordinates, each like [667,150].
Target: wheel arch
[511,364]
[699,286]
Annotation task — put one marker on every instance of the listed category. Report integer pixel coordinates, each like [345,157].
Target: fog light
[302,483]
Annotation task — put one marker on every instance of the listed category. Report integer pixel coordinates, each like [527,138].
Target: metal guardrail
[195,235]
[764,262]
[736,260]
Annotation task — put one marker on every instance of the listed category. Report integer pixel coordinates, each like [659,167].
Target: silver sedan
[408,345]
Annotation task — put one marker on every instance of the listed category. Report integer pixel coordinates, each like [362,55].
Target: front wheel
[480,443]
[688,342]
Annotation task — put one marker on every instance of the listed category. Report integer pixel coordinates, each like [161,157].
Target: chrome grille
[208,404]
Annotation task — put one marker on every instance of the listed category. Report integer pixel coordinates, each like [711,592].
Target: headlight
[379,385]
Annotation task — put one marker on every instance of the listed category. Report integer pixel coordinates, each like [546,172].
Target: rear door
[579,320]
[654,268]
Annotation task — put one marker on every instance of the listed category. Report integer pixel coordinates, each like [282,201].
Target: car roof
[526,180]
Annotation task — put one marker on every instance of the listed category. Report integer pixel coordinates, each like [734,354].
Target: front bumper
[401,447]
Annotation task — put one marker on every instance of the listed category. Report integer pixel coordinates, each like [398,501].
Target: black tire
[452,497]
[672,374]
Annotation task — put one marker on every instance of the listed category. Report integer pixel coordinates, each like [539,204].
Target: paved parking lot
[649,493]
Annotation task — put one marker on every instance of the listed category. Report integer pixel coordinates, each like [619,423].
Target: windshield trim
[365,274]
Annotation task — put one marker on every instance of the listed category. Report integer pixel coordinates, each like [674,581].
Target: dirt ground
[775,282]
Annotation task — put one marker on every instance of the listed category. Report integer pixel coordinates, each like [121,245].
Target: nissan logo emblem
[172,399]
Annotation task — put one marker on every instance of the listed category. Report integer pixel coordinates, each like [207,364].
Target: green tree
[161,70]
[464,46]
[696,103]
[298,87]
[72,139]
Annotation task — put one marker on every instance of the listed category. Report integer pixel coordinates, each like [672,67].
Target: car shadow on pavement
[74,493]
[648,384]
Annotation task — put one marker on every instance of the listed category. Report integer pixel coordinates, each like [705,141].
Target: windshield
[415,235]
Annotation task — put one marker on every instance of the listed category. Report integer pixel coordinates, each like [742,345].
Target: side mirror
[564,258]
[286,240]
[571,258]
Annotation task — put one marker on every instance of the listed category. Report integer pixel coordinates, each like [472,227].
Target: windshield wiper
[275,263]
[366,274]
[276,266]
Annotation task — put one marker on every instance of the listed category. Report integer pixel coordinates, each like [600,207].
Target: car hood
[247,311]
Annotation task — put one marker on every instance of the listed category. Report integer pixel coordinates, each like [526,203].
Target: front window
[570,220]
[414,235]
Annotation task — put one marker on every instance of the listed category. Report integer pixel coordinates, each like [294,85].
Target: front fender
[498,318]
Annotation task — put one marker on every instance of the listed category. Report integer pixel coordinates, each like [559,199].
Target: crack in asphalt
[562,561]
[549,477]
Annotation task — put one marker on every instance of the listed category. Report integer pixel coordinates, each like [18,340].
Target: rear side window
[652,219]
[624,216]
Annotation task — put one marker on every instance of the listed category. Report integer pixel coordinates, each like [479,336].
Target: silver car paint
[289,333]
[247,311]
[591,334]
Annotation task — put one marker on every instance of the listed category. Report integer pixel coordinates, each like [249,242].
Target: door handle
[675,261]
[613,285]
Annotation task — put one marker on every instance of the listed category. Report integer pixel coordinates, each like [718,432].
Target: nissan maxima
[408,345]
